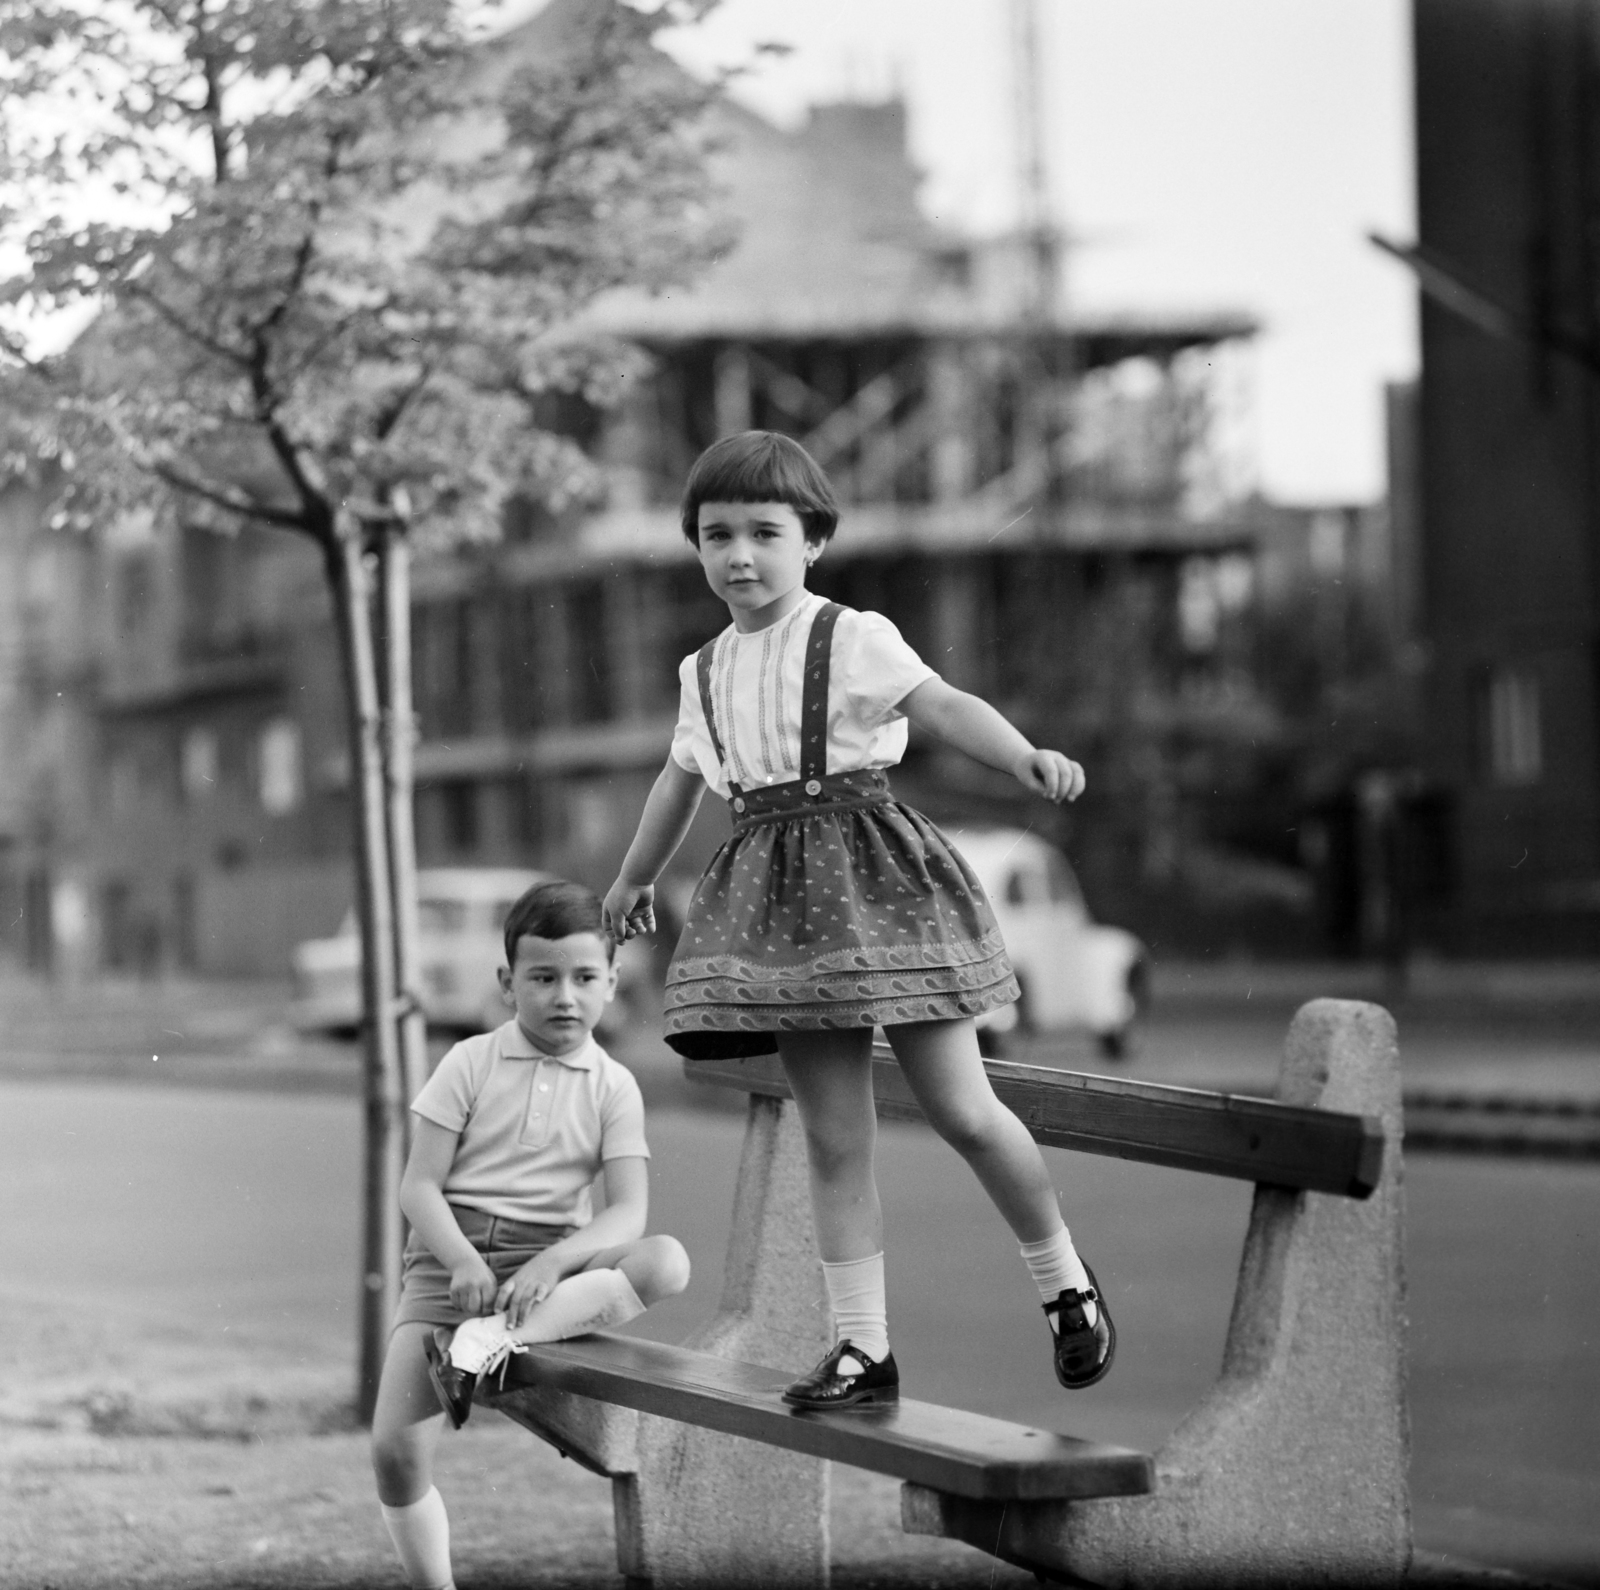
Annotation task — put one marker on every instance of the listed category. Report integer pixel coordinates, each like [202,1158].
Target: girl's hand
[629,909]
[1050,774]
[472,1286]
[533,1283]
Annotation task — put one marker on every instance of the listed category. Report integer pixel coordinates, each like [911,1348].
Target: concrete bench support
[1292,1469]
[694,1507]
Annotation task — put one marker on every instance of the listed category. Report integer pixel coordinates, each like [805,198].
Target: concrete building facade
[1508,183]
[1008,474]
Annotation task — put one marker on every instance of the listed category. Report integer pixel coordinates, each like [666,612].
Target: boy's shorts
[505,1244]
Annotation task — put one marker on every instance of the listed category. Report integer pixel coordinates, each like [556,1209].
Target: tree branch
[307,248]
[235,356]
[246,507]
[211,108]
[391,417]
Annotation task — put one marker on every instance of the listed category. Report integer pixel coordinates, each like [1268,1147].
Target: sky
[1203,154]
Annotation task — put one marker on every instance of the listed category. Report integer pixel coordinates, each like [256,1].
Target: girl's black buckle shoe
[1083,1352]
[827,1386]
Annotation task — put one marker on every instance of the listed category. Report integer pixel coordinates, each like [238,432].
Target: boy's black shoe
[453,1387]
[827,1386]
[1083,1352]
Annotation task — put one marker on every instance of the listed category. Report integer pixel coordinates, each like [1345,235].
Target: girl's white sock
[860,1307]
[1054,1265]
[421,1536]
[591,1300]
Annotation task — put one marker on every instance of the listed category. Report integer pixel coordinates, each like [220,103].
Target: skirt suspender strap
[814,696]
[703,674]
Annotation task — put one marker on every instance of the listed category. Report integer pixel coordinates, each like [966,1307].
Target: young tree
[338,250]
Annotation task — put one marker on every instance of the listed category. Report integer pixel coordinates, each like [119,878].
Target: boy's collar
[515,1044]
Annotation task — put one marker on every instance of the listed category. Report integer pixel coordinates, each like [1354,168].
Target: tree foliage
[341,249]
[340,256]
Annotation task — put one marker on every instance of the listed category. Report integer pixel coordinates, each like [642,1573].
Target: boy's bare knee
[672,1266]
[398,1466]
[659,1267]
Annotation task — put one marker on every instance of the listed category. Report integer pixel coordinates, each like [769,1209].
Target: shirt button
[738,803]
[544,1087]
[813,787]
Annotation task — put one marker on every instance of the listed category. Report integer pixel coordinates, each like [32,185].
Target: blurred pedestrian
[511,1131]
[834,908]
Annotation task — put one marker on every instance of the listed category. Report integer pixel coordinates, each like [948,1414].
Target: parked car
[461,914]
[1074,972]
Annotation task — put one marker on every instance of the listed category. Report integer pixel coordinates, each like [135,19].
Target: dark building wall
[1507,99]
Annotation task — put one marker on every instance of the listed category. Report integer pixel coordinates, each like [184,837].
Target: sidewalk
[1519,1042]
[1425,980]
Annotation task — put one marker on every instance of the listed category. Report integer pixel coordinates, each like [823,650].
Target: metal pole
[384,1106]
[399,742]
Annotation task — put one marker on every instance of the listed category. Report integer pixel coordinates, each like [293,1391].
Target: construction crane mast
[1036,221]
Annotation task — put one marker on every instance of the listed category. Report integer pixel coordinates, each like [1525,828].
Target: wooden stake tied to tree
[339,251]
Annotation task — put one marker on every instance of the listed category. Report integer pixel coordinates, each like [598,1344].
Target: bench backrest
[1222,1134]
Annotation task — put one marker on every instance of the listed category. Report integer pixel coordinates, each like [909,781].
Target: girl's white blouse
[756,685]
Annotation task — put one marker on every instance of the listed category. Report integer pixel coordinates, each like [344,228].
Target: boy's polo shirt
[535,1128]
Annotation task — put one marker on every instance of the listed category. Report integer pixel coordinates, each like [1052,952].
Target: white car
[461,914]
[1073,972]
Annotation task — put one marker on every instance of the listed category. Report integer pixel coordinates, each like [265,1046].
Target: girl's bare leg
[944,1069]
[831,1076]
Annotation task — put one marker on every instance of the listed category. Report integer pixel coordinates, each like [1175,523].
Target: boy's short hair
[761,466]
[555,910]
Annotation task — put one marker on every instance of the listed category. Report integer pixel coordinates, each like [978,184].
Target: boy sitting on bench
[511,1130]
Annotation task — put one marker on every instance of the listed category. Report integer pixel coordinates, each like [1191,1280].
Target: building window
[1512,737]
[278,766]
[458,799]
[198,762]
[589,684]
[122,781]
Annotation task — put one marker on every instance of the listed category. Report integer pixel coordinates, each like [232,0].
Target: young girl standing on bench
[834,908]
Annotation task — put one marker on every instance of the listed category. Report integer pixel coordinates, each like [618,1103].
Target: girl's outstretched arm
[970,724]
[630,903]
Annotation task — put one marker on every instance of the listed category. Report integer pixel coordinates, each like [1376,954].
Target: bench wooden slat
[963,1454]
[1223,1134]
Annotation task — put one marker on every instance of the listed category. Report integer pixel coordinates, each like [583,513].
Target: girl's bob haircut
[761,466]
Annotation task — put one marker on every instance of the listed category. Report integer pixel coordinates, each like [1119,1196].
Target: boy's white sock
[421,1536]
[1054,1265]
[860,1307]
[591,1300]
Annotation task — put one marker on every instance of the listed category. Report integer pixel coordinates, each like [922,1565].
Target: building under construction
[1025,491]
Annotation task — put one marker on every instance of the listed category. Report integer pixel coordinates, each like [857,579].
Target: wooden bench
[1292,1467]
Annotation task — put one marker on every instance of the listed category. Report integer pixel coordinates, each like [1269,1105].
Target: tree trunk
[383,1094]
[400,737]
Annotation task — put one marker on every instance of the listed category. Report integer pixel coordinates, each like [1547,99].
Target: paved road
[239,1208]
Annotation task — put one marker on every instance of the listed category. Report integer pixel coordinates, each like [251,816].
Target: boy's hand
[533,1283]
[1050,774]
[472,1286]
[629,909]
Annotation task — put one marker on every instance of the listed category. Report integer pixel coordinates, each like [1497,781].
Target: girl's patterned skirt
[833,905]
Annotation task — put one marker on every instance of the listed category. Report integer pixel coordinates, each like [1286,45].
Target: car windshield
[441,916]
[1064,888]
[1048,882]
